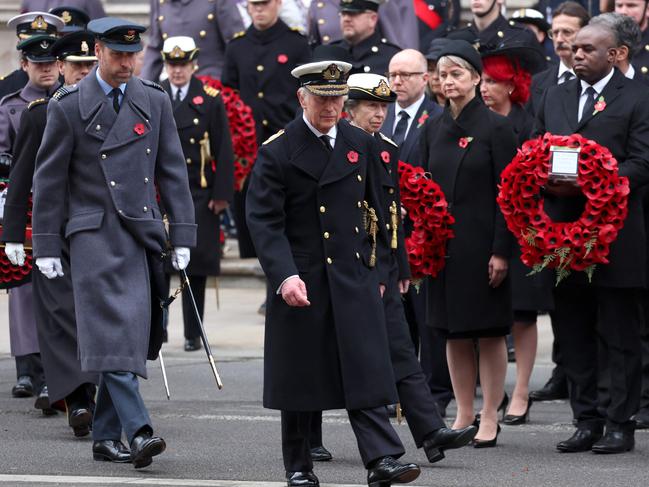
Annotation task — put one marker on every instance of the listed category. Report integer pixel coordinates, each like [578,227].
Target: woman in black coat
[505,88]
[467,148]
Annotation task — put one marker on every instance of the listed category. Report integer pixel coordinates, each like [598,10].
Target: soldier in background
[40,65]
[211,24]
[205,137]
[53,301]
[93,8]
[637,10]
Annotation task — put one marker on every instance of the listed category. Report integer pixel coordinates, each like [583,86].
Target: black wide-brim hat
[464,50]
[530,57]
[117,34]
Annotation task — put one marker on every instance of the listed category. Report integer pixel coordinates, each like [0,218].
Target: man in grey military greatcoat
[107,140]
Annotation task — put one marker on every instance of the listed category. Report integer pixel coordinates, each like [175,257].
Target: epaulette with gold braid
[35,103]
[211,91]
[273,137]
[388,140]
[298,30]
[241,33]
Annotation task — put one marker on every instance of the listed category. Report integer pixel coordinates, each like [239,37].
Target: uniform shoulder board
[211,91]
[388,140]
[273,137]
[35,103]
[298,30]
[152,84]
[64,91]
[241,33]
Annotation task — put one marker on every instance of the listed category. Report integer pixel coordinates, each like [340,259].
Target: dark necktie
[325,141]
[589,106]
[399,134]
[177,99]
[115,93]
[566,76]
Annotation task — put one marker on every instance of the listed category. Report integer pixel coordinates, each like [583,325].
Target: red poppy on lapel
[600,105]
[422,119]
[385,155]
[282,58]
[352,156]
[139,128]
[197,100]
[464,142]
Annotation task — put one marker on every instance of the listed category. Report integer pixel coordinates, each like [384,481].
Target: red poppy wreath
[13,275]
[242,130]
[426,205]
[564,246]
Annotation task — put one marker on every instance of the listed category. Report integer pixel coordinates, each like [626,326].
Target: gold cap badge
[331,73]
[39,23]
[383,89]
[177,53]
[67,18]
[84,47]
[129,36]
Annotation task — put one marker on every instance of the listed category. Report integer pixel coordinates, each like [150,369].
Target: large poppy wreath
[242,130]
[564,246]
[13,275]
[427,208]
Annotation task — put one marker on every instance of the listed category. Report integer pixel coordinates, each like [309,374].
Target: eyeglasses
[403,76]
[564,32]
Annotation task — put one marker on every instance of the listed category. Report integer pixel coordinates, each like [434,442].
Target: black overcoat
[460,300]
[202,112]
[305,213]
[622,127]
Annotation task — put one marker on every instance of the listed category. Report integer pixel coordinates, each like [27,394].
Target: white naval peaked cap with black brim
[326,74]
[179,49]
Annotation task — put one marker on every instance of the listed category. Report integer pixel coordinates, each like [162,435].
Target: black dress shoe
[387,470]
[192,344]
[514,419]
[80,420]
[582,440]
[551,391]
[23,387]
[486,443]
[301,479]
[642,419]
[144,447]
[110,451]
[615,441]
[447,439]
[320,454]
[43,403]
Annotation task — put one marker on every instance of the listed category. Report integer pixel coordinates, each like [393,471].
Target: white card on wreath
[564,162]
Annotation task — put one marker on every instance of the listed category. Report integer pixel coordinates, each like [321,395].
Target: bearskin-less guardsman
[205,137]
[95,133]
[53,300]
[316,220]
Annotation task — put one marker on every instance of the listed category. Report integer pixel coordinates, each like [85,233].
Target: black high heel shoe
[501,407]
[486,443]
[513,419]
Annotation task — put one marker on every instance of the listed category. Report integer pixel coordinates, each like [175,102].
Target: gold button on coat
[189,161]
[148,151]
[202,33]
[210,16]
[359,204]
[326,235]
[321,21]
[103,156]
[260,94]
[322,209]
[161,18]
[98,127]
[146,180]
[112,183]
[195,121]
[359,177]
[145,209]
[260,68]
[330,260]
[358,256]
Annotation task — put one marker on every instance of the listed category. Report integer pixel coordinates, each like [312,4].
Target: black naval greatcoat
[13,82]
[460,300]
[54,300]
[202,113]
[305,213]
[499,30]
[259,64]
[402,349]
[371,55]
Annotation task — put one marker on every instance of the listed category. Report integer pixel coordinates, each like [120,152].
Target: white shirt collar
[411,110]
[563,68]
[183,90]
[600,85]
[333,131]
[630,73]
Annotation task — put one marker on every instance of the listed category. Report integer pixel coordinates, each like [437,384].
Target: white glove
[15,253]
[180,258]
[50,267]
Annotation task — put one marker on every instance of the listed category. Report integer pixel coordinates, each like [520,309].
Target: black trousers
[32,366]
[585,315]
[644,398]
[432,357]
[558,373]
[375,436]
[192,328]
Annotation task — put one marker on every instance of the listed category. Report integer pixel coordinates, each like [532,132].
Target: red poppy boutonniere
[600,105]
[197,100]
[464,142]
[385,155]
[139,128]
[282,59]
[422,119]
[352,156]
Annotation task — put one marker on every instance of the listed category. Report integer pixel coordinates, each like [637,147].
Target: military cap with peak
[74,18]
[360,5]
[370,86]
[117,34]
[38,49]
[326,74]
[530,16]
[179,49]
[35,23]
[75,47]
